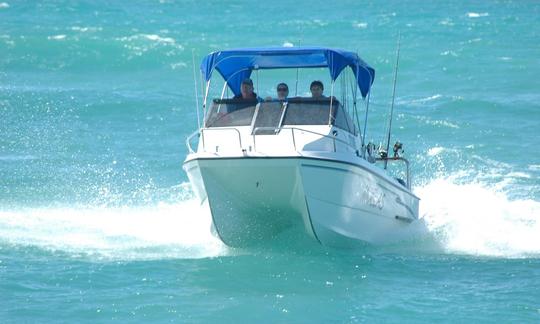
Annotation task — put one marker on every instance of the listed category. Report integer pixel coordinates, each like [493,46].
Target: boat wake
[163,231]
[469,218]
[478,219]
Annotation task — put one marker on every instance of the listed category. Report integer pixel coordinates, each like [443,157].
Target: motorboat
[297,164]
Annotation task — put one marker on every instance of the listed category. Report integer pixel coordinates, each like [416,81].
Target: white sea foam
[4,5]
[468,218]
[444,123]
[56,37]
[7,40]
[426,99]
[435,151]
[446,22]
[319,22]
[519,175]
[474,40]
[178,65]
[153,232]
[139,44]
[15,158]
[480,220]
[360,25]
[157,38]
[86,29]
[451,53]
[477,15]
[147,37]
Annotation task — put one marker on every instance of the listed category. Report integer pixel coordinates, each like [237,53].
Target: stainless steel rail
[333,138]
[189,138]
[390,159]
[203,130]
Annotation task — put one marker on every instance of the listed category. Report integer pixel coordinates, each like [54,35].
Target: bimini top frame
[237,64]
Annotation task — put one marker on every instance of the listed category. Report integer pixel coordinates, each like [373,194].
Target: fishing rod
[392,106]
[196,93]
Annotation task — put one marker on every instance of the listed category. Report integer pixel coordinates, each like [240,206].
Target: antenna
[196,92]
[392,106]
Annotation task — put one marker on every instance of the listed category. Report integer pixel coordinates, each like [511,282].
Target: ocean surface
[98,222]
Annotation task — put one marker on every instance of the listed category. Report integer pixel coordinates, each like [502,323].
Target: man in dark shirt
[317,89]
[246,89]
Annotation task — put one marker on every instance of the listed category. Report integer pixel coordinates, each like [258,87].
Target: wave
[180,230]
[458,215]
[57,37]
[148,37]
[87,48]
[477,14]
[86,29]
[408,101]
[438,123]
[477,219]
[14,157]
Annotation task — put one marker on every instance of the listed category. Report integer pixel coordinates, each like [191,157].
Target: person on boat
[246,90]
[282,92]
[317,89]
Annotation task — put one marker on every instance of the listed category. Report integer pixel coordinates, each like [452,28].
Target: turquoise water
[97,219]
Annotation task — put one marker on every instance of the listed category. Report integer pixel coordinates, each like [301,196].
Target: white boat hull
[253,199]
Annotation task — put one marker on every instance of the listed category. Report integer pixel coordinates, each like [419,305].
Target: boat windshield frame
[297,111]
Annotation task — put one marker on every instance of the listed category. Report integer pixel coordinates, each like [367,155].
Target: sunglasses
[282,89]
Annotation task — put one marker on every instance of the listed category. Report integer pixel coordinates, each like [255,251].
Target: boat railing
[190,138]
[204,130]
[278,129]
[399,158]
[200,133]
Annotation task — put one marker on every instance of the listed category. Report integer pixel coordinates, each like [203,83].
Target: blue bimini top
[237,64]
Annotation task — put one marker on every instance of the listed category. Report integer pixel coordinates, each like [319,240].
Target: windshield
[231,112]
[274,113]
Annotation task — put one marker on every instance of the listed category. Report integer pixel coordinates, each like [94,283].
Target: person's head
[247,88]
[316,89]
[282,91]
